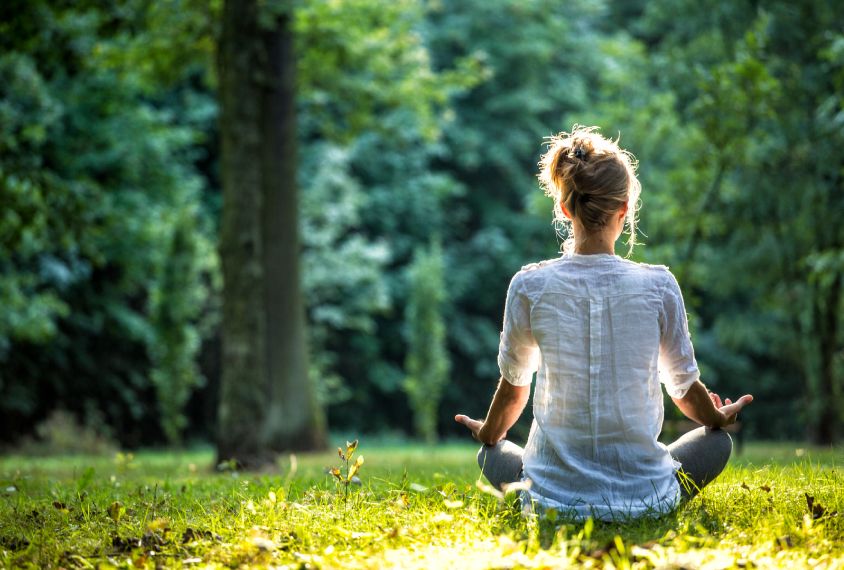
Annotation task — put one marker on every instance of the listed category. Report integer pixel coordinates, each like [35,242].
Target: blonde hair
[593,178]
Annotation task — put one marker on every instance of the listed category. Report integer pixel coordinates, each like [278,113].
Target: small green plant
[351,468]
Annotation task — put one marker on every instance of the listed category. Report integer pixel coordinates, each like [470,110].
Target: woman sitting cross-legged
[602,332]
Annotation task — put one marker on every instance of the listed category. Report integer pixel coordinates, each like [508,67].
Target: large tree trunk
[265,400]
[294,422]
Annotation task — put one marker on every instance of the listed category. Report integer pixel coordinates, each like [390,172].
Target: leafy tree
[88,217]
[371,107]
[752,85]
[427,357]
[539,61]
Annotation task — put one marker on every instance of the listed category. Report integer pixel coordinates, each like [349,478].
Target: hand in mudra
[728,408]
[475,426]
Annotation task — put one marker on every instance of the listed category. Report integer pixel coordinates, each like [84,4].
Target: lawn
[416,507]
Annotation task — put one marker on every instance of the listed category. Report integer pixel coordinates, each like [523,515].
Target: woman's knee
[722,441]
[485,453]
[721,445]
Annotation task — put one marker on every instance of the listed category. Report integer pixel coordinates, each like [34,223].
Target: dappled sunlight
[415,508]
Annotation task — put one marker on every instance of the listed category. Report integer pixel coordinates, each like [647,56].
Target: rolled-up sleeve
[518,353]
[677,366]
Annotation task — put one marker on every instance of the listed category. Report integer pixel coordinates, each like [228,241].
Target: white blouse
[603,333]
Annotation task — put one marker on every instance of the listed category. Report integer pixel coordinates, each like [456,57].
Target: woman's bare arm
[507,405]
[706,409]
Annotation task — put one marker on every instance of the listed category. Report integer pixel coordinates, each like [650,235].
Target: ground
[416,507]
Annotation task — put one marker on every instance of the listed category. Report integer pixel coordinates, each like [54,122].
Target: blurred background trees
[415,119]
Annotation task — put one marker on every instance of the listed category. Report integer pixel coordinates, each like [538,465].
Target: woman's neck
[592,243]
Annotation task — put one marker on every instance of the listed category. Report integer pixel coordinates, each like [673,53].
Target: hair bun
[594,191]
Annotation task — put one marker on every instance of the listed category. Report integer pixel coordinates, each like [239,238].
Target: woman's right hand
[707,409]
[728,409]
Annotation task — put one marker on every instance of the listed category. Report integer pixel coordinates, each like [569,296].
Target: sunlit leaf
[350,447]
[158,525]
[354,468]
[517,486]
[342,455]
[263,544]
[114,511]
[488,489]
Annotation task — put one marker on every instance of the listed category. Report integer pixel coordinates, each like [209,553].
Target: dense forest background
[420,127]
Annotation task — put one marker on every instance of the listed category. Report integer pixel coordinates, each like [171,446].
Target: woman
[603,333]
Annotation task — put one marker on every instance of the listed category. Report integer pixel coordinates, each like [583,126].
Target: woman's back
[602,333]
[594,325]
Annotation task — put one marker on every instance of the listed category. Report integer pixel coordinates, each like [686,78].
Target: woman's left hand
[475,426]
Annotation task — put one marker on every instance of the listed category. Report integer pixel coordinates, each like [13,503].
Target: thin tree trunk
[294,421]
[828,422]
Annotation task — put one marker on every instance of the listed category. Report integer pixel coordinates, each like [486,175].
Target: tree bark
[266,404]
[827,306]
[294,421]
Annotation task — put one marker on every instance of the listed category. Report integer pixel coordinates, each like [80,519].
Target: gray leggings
[703,454]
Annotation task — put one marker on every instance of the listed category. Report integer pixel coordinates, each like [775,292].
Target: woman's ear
[565,211]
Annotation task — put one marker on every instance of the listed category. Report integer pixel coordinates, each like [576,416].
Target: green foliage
[415,509]
[416,119]
[177,304]
[750,88]
[364,61]
[427,356]
[370,104]
[105,251]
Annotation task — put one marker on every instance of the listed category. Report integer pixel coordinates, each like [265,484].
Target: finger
[728,401]
[717,400]
[732,409]
[473,425]
[743,401]
[463,419]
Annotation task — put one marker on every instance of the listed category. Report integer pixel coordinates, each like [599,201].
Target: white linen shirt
[603,333]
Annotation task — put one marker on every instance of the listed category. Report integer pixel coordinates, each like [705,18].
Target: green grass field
[417,507]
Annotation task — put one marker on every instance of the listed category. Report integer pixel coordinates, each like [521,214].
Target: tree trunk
[827,305]
[265,400]
[294,422]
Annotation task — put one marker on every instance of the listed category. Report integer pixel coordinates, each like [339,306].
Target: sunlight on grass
[418,507]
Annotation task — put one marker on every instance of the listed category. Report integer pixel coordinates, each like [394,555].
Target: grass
[418,507]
